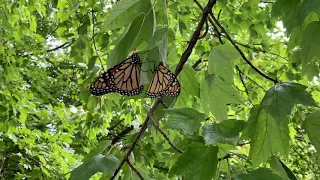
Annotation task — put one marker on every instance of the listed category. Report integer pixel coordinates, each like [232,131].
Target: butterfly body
[123,78]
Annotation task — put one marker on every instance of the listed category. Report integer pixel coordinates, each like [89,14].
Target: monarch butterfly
[123,78]
[163,82]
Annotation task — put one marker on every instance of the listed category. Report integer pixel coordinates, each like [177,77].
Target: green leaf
[188,2]
[297,10]
[92,103]
[216,94]
[23,115]
[157,38]
[103,145]
[224,132]
[83,30]
[288,171]
[281,169]
[142,27]
[311,70]
[185,119]
[104,41]
[310,39]
[220,61]
[259,174]
[33,24]
[267,137]
[91,3]
[197,162]
[122,14]
[99,163]
[189,85]
[311,125]
[182,27]
[149,24]
[92,62]
[126,44]
[280,99]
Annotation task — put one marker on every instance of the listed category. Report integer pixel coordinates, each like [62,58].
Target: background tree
[248,107]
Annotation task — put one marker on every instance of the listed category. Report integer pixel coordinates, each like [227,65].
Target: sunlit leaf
[311,125]
[189,85]
[220,61]
[309,40]
[216,94]
[122,14]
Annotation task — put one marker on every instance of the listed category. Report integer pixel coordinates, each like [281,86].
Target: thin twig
[161,168]
[162,102]
[243,143]
[164,135]
[219,13]
[261,50]
[134,169]
[122,134]
[194,66]
[240,51]
[179,67]
[94,42]
[64,45]
[206,31]
[215,29]
[229,155]
[243,83]
[252,80]
[114,126]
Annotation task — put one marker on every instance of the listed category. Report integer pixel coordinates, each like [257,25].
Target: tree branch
[179,67]
[197,63]
[136,139]
[134,169]
[251,79]
[215,29]
[240,51]
[114,126]
[122,134]
[195,37]
[64,45]
[164,135]
[229,155]
[263,51]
